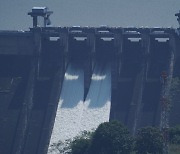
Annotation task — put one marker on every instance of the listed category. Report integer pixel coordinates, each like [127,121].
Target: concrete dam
[58,81]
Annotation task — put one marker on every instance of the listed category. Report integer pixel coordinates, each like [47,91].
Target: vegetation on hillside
[111,137]
[149,140]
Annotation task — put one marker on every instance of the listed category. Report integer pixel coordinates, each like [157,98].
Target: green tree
[60,147]
[149,140]
[77,145]
[174,132]
[174,135]
[81,143]
[111,138]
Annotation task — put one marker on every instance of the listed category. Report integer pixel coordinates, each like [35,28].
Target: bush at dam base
[174,149]
[149,140]
[111,137]
[114,138]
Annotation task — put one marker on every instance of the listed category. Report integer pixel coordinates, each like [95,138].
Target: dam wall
[34,62]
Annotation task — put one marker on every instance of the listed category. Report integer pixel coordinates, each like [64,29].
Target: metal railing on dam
[33,64]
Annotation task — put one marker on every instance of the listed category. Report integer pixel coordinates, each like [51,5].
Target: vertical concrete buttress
[89,64]
[140,81]
[50,114]
[115,70]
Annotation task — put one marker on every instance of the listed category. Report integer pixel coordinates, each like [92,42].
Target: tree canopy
[80,144]
[174,135]
[149,140]
[111,138]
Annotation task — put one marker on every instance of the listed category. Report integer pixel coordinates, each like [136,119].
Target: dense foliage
[80,144]
[111,138]
[174,135]
[149,140]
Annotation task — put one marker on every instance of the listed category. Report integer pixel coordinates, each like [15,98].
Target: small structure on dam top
[33,64]
[40,12]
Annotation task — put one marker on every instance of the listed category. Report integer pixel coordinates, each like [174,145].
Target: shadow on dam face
[14,78]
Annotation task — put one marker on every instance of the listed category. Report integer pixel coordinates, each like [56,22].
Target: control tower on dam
[33,66]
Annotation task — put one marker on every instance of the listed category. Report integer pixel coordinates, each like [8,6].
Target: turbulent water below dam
[75,115]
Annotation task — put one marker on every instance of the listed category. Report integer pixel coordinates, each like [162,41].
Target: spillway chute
[75,115]
[67,121]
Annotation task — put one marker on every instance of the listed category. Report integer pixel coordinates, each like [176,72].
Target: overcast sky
[123,13]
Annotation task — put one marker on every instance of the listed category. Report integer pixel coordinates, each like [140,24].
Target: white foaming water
[69,112]
[73,115]
[97,104]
